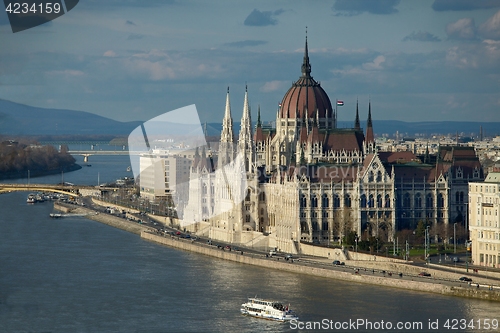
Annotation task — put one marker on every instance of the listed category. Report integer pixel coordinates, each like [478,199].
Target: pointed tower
[246,144]
[357,125]
[306,66]
[370,138]
[260,144]
[196,160]
[227,143]
[427,157]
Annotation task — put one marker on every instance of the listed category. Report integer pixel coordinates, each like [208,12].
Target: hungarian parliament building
[306,180]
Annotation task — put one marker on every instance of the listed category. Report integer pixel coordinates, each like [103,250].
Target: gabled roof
[343,139]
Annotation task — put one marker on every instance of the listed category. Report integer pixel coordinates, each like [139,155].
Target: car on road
[273,252]
[465,279]
[338,263]
[424,274]
[288,256]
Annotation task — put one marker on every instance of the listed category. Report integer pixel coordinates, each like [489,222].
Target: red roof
[348,140]
[304,94]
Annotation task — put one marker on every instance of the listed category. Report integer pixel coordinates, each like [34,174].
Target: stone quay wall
[108,219]
[236,256]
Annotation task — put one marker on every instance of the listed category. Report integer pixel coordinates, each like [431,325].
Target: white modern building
[484,221]
[165,173]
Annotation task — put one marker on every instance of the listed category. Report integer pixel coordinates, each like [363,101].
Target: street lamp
[427,244]
[356,239]
[455,237]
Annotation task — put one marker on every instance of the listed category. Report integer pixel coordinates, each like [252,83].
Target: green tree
[350,238]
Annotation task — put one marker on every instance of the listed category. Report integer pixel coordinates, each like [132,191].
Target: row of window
[487,188]
[417,200]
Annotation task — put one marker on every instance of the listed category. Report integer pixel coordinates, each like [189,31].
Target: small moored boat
[267,309]
[31,198]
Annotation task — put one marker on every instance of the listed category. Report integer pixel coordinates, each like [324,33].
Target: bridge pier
[86,158]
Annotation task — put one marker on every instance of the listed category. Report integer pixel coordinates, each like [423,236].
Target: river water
[77,275]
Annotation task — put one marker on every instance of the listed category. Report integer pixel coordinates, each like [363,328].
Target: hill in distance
[19,119]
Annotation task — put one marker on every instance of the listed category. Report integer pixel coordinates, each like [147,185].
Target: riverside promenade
[355,271]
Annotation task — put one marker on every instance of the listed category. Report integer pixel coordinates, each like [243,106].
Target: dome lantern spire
[306,66]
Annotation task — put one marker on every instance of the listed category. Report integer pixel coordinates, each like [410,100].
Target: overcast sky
[425,60]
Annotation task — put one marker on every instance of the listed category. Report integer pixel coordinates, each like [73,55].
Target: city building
[308,181]
[165,173]
[484,220]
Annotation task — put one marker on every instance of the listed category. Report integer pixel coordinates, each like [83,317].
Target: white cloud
[483,55]
[376,64]
[109,53]
[461,29]
[67,72]
[272,86]
[491,28]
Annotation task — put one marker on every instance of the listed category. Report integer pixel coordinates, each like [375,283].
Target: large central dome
[305,94]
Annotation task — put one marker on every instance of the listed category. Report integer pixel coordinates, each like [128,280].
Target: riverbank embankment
[311,267]
[296,267]
[108,219]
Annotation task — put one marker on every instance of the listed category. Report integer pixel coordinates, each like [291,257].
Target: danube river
[77,275]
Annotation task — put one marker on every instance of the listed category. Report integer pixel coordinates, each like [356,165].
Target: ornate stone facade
[308,181]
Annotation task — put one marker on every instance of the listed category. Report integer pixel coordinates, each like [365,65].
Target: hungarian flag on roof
[340,103]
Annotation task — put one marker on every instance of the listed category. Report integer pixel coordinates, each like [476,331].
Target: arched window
[418,201]
[204,188]
[440,200]
[336,201]
[303,201]
[262,196]
[347,201]
[247,197]
[363,200]
[370,176]
[315,226]
[429,202]
[371,201]
[406,200]
[326,201]
[379,201]
[387,201]
[379,176]
[314,201]
[461,196]
[457,197]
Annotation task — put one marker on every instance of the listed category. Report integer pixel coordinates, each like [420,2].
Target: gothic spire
[306,66]
[227,113]
[258,130]
[226,148]
[245,140]
[227,134]
[427,157]
[259,124]
[357,124]
[369,126]
[369,122]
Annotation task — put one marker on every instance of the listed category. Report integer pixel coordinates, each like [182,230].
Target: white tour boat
[31,198]
[267,309]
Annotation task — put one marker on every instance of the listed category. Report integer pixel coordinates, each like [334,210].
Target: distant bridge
[87,153]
